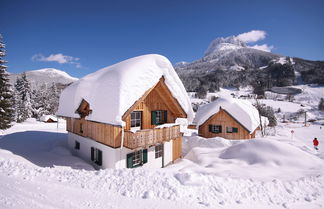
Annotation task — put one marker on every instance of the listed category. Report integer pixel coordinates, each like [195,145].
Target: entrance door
[136,120]
[176,148]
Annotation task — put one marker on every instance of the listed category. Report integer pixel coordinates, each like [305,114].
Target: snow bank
[270,152]
[111,91]
[242,110]
[259,158]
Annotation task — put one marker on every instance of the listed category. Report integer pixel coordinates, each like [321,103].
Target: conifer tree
[24,107]
[6,94]
[53,99]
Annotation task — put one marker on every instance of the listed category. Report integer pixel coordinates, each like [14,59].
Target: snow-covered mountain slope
[46,75]
[226,56]
[223,44]
[223,53]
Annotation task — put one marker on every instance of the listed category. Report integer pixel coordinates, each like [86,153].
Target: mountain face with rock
[229,62]
[44,76]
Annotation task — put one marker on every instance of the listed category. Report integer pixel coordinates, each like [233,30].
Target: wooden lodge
[228,118]
[124,115]
[156,107]
[223,124]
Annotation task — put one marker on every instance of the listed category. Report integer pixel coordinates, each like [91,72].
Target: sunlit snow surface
[281,170]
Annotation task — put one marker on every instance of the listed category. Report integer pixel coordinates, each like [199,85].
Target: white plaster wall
[108,153]
[152,162]
[168,152]
[115,158]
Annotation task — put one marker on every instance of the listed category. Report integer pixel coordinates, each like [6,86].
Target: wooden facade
[147,137]
[103,133]
[224,119]
[157,98]
[177,148]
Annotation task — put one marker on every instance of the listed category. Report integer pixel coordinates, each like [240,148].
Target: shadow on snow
[44,149]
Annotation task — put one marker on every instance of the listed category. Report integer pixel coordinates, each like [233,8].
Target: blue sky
[85,36]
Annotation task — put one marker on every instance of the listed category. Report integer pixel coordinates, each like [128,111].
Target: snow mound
[242,110]
[258,158]
[269,152]
[119,86]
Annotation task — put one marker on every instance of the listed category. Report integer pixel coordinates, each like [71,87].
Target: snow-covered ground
[281,171]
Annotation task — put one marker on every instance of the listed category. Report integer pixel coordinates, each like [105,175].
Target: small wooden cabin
[48,119]
[144,134]
[228,118]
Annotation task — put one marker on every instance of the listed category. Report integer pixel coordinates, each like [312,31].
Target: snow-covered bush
[268,112]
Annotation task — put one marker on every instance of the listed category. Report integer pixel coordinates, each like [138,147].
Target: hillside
[44,76]
[229,62]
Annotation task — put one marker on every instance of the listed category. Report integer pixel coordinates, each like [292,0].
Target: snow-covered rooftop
[45,118]
[242,110]
[112,90]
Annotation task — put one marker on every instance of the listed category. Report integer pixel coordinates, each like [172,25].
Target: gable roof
[112,90]
[45,118]
[241,110]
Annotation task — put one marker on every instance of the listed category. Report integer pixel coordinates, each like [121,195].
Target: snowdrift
[258,158]
[268,152]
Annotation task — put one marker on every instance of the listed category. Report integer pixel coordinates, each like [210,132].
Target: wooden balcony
[147,137]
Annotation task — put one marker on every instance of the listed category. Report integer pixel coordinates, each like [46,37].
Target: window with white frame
[231,130]
[136,159]
[96,155]
[158,150]
[136,119]
[159,117]
[215,129]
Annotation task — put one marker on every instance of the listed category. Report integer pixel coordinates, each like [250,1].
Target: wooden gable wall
[225,120]
[158,98]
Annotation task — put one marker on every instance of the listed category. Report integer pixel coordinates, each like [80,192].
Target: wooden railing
[147,137]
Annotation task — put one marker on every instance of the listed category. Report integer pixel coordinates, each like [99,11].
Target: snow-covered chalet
[124,115]
[228,118]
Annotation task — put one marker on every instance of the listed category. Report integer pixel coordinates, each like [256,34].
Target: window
[159,117]
[77,145]
[96,156]
[158,150]
[81,128]
[231,130]
[136,119]
[215,129]
[137,158]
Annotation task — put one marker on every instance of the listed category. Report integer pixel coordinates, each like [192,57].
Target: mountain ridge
[229,62]
[44,76]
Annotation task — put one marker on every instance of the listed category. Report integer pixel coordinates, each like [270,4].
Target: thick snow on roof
[47,117]
[242,110]
[112,90]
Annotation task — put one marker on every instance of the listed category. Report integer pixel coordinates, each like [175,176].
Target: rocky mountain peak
[227,43]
